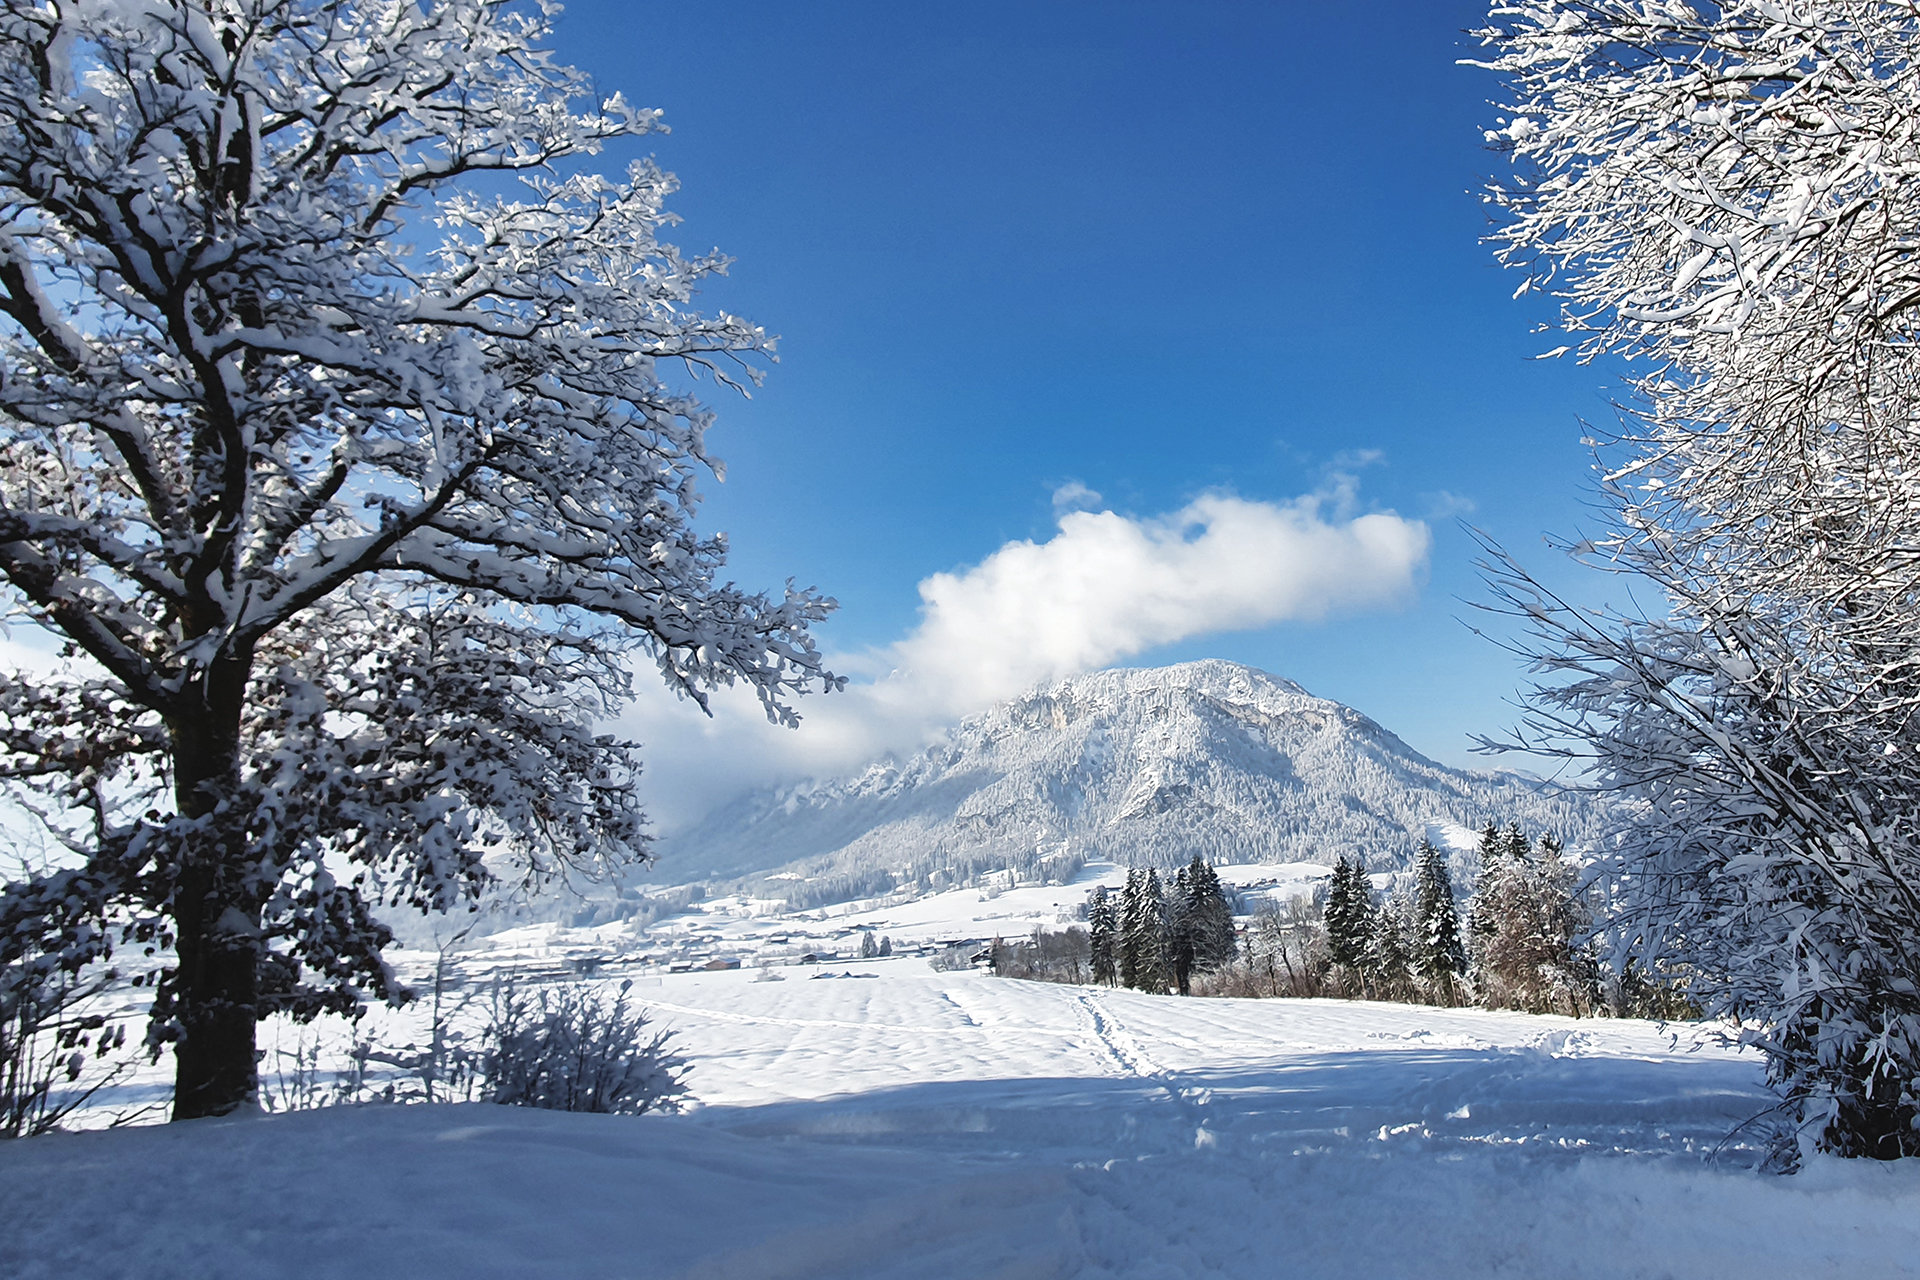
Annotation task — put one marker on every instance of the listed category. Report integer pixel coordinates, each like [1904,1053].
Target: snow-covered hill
[1133,766]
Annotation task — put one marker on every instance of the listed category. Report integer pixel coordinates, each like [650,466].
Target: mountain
[1145,767]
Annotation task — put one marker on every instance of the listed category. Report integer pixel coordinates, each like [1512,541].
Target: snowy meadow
[885,1119]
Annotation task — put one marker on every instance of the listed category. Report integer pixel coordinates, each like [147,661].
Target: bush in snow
[55,1045]
[573,1049]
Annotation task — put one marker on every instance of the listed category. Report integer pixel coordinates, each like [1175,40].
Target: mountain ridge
[1143,766]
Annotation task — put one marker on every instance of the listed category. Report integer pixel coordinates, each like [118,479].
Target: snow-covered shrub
[1287,951]
[952,959]
[1048,956]
[572,1049]
[55,1045]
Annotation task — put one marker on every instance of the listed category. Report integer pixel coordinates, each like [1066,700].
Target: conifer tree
[1493,852]
[1389,959]
[1349,916]
[1128,954]
[1439,956]
[1200,933]
[1513,841]
[1102,928]
[1143,933]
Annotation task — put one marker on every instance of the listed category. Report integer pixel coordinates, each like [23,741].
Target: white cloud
[1443,504]
[1104,588]
[1074,496]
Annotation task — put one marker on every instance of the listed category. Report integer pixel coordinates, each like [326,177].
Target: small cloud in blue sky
[1444,505]
[1074,496]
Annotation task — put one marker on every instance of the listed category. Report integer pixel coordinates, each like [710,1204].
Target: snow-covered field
[891,1120]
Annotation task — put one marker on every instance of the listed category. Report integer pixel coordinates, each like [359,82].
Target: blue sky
[1155,251]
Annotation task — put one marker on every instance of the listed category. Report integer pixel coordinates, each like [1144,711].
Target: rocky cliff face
[1138,766]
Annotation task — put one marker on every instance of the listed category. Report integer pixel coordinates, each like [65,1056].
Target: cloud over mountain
[1104,587]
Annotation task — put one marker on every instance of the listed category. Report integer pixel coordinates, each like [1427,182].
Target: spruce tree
[1215,943]
[1128,939]
[1389,950]
[1200,933]
[1493,852]
[1180,930]
[1349,916]
[1439,957]
[1143,932]
[1513,842]
[1102,930]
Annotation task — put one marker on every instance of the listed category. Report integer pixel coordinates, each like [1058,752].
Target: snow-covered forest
[354,421]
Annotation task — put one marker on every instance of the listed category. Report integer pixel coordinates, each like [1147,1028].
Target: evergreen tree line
[1524,942]
[1521,943]
[1152,937]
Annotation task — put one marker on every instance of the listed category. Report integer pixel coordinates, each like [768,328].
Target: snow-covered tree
[1287,948]
[1200,934]
[1724,194]
[1439,957]
[1389,959]
[1528,932]
[337,440]
[1102,935]
[1144,962]
[1350,917]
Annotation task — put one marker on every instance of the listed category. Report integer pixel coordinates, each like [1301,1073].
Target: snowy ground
[906,1122]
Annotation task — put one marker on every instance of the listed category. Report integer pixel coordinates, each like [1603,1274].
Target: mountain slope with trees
[1147,767]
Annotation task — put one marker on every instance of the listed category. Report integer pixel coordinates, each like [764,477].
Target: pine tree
[1200,933]
[1389,958]
[1102,928]
[1180,932]
[1513,842]
[1439,957]
[1127,942]
[1145,964]
[1349,915]
[1493,852]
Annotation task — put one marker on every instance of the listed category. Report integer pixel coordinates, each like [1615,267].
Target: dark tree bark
[216,918]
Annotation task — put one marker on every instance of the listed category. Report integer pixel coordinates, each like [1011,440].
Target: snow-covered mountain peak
[1140,765]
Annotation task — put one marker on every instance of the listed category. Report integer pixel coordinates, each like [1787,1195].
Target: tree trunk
[216,917]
